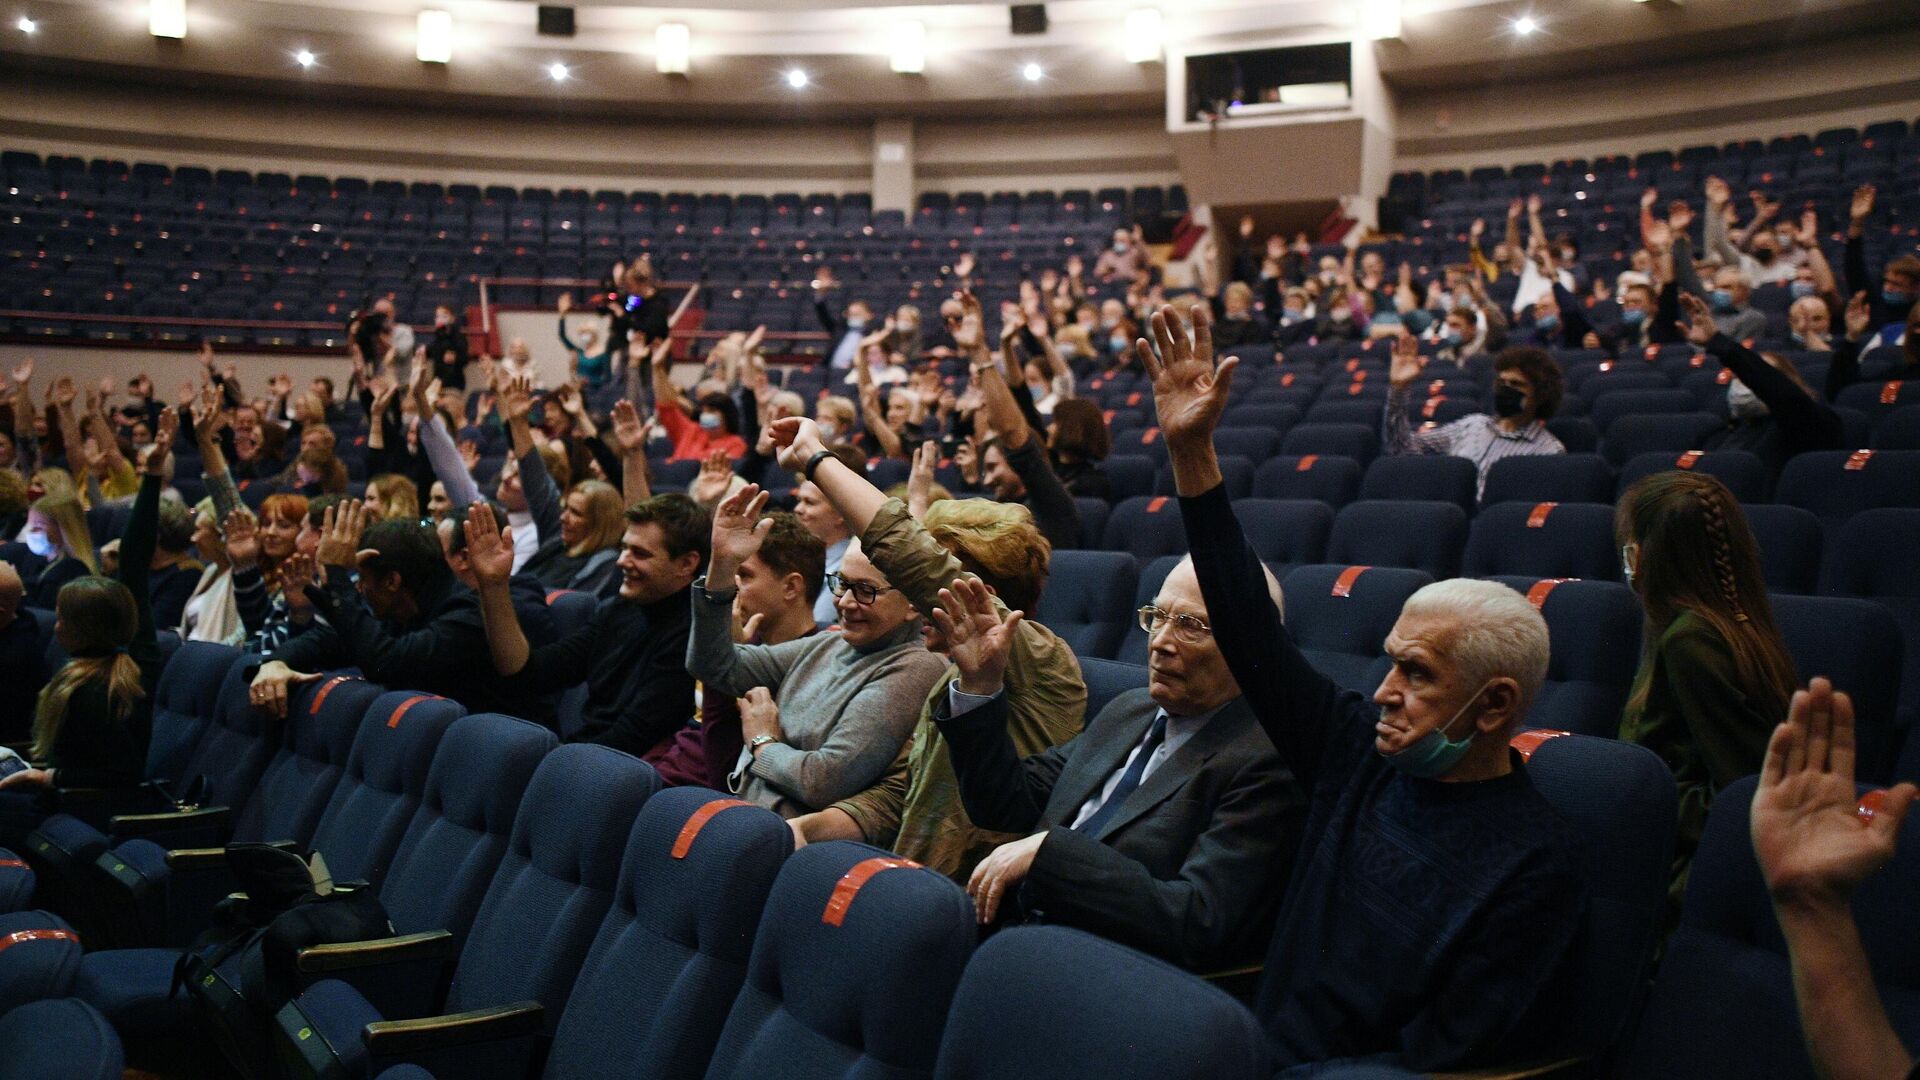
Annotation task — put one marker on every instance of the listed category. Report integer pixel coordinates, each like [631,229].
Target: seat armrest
[188,860]
[390,1039]
[1568,1068]
[1242,983]
[201,827]
[316,960]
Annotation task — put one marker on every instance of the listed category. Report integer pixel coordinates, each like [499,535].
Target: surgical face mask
[1800,289]
[1742,403]
[1117,344]
[1568,255]
[40,544]
[1633,316]
[1452,339]
[1120,246]
[1896,297]
[1548,322]
[1329,276]
[1340,314]
[856,324]
[1508,401]
[1629,561]
[1433,754]
[829,430]
[1291,315]
[1721,299]
[1039,390]
[1443,301]
[710,421]
[1798,338]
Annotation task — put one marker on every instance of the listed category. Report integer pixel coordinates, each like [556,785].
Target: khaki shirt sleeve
[912,560]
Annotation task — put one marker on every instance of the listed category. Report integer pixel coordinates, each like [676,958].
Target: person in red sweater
[715,424]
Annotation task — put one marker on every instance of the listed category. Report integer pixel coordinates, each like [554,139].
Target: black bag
[242,970]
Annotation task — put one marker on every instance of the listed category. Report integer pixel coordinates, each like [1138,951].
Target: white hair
[1497,632]
[1273,586]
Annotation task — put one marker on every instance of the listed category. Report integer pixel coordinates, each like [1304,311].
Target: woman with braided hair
[1714,672]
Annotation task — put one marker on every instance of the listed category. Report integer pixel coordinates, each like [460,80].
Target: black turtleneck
[633,658]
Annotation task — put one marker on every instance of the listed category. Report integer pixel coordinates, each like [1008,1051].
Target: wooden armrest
[197,858]
[205,817]
[1234,973]
[429,945]
[1520,1072]
[390,1039]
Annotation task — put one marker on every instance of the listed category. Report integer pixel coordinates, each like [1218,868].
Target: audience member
[1772,413]
[1077,442]
[1526,394]
[1715,671]
[23,663]
[411,626]
[1168,825]
[916,810]
[56,531]
[1817,838]
[632,654]
[579,536]
[175,572]
[820,518]
[822,717]
[718,426]
[1899,279]
[1406,799]
[271,569]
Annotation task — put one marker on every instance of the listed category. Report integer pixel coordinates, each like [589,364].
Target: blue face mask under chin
[1633,316]
[1433,754]
[1721,299]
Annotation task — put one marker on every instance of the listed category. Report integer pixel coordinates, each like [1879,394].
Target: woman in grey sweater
[822,716]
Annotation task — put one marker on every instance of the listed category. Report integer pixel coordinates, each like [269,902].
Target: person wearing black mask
[1526,393]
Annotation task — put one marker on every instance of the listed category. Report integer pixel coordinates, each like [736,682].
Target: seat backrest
[1898,429]
[1147,527]
[1357,441]
[1857,644]
[694,879]
[317,735]
[1723,1003]
[1621,801]
[1549,478]
[1106,680]
[1635,434]
[235,746]
[1429,477]
[380,789]
[571,610]
[1615,404]
[1328,478]
[1836,484]
[1088,599]
[555,882]
[454,843]
[184,703]
[1287,531]
[1594,629]
[1874,555]
[1573,540]
[1790,542]
[1405,533]
[853,969]
[1019,1014]
[1339,616]
[1744,474]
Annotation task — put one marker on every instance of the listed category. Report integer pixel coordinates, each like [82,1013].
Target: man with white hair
[1431,917]
[1733,314]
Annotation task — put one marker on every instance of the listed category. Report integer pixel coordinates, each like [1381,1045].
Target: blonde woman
[56,531]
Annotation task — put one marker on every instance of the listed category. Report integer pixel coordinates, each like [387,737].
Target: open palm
[1189,392]
[979,638]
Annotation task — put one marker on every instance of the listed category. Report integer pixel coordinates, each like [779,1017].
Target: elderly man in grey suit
[1169,824]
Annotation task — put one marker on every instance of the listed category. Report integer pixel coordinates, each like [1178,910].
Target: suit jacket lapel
[1096,757]
[1185,763]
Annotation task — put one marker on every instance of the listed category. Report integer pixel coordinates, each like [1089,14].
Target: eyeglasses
[863,593]
[1186,628]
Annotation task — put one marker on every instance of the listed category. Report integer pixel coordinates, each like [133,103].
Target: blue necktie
[1129,780]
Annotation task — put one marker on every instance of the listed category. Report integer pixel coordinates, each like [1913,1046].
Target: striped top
[1478,438]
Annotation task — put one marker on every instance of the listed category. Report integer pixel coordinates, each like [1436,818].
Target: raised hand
[1859,316]
[62,392]
[1476,230]
[1188,391]
[23,371]
[926,457]
[628,432]
[296,572]
[516,398]
[1815,838]
[1406,362]
[1699,328]
[1649,198]
[489,551]
[1534,204]
[716,475]
[164,432]
[979,638]
[418,380]
[1679,218]
[797,439]
[340,534]
[566,302]
[738,531]
[1717,191]
[243,539]
[1862,206]
[208,416]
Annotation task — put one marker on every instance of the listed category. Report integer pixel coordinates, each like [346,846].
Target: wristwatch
[754,744]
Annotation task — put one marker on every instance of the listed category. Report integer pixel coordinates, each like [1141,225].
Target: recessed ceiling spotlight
[1525,25]
[26,25]
[305,58]
[558,71]
[797,78]
[1033,73]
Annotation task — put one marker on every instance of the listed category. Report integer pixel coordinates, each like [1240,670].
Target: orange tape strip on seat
[19,936]
[1528,741]
[1306,463]
[394,720]
[1343,585]
[1890,393]
[853,880]
[12,863]
[1538,594]
[698,820]
[1538,518]
[1159,501]
[1687,460]
[325,689]
[1858,460]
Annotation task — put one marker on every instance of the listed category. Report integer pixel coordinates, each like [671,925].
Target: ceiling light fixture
[672,48]
[167,18]
[907,47]
[305,58]
[1033,73]
[1143,30]
[433,33]
[797,79]
[26,25]
[1525,25]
